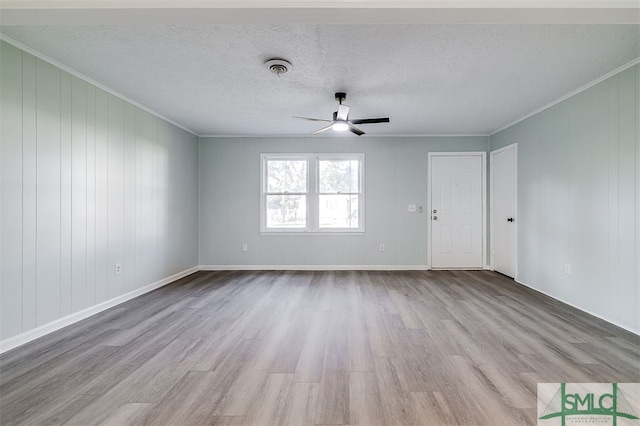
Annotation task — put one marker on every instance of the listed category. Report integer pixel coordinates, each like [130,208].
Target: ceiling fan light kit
[341,121]
[340,126]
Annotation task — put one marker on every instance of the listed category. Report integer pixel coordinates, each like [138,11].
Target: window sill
[314,233]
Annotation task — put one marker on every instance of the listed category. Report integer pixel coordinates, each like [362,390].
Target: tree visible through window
[286,194]
[339,193]
[312,193]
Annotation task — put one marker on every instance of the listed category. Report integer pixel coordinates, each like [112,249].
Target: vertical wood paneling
[65,193]
[144,149]
[628,182]
[598,216]
[91,196]
[84,178]
[11,191]
[613,200]
[129,259]
[139,255]
[102,196]
[29,192]
[48,193]
[599,191]
[115,194]
[79,195]
[154,180]
[162,185]
[576,158]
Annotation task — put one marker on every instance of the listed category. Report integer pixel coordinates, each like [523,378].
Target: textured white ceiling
[429,79]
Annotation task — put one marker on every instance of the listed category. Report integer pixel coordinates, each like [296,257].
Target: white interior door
[503,210]
[457,210]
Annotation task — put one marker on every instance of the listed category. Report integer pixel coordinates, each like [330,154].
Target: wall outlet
[381,247]
[245,247]
[117,268]
[567,269]
[412,208]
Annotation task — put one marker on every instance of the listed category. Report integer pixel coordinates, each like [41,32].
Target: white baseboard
[635,329]
[21,339]
[27,336]
[314,267]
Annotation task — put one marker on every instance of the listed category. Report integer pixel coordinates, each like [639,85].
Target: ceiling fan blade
[354,129]
[370,120]
[324,129]
[343,112]
[312,119]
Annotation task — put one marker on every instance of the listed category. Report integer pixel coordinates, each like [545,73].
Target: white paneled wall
[88,180]
[579,199]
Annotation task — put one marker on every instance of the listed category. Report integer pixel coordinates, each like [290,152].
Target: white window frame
[312,195]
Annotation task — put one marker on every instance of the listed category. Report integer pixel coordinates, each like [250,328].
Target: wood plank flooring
[315,348]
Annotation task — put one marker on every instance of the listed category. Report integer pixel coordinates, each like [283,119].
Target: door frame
[483,196]
[513,146]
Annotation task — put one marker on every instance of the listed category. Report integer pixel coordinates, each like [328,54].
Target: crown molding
[333,136]
[91,81]
[349,12]
[361,4]
[570,94]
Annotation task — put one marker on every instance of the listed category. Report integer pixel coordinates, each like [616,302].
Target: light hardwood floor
[315,348]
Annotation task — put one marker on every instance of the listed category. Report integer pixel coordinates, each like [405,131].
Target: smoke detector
[278,66]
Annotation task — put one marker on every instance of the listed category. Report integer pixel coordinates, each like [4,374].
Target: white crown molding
[90,81]
[361,4]
[43,330]
[570,94]
[366,135]
[360,12]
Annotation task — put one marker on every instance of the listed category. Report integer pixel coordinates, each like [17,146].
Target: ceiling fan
[341,121]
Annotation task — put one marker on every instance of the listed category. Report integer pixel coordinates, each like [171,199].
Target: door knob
[435,218]
[510,219]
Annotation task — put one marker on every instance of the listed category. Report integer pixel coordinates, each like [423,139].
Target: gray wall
[579,199]
[395,176]
[88,180]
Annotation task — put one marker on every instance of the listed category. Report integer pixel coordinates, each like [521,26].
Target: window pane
[286,211]
[338,211]
[339,176]
[286,176]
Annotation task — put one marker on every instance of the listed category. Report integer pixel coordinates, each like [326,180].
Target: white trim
[367,135]
[334,4]
[28,336]
[43,330]
[483,156]
[513,146]
[314,267]
[629,328]
[570,94]
[91,81]
[312,193]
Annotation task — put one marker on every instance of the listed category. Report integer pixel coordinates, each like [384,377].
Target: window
[312,193]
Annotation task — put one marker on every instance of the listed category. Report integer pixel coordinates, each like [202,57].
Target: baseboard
[314,267]
[27,336]
[629,328]
[23,338]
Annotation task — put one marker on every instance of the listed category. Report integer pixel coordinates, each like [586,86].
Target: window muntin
[312,193]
